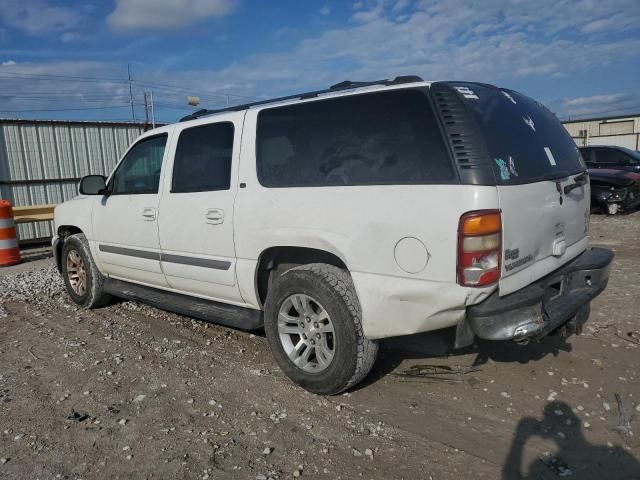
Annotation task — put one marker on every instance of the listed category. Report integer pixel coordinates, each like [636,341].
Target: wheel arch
[63,232]
[289,256]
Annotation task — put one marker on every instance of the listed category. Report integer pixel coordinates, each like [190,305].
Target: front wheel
[314,327]
[82,279]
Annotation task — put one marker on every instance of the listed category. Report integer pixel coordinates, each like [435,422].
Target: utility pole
[146,111]
[153,114]
[133,113]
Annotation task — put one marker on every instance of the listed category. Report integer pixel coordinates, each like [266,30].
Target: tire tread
[342,284]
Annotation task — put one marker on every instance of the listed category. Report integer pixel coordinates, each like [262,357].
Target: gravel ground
[129,391]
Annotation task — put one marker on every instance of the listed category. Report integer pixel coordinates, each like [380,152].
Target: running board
[207,310]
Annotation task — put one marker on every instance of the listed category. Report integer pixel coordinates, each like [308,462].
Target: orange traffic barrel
[9,251]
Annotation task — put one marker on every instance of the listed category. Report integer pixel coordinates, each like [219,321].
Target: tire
[76,253]
[330,291]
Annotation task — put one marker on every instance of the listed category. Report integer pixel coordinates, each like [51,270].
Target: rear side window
[203,158]
[386,138]
[526,141]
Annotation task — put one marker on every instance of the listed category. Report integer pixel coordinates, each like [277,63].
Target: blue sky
[579,57]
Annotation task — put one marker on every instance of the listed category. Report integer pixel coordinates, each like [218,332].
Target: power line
[190,90]
[65,109]
[573,117]
[51,76]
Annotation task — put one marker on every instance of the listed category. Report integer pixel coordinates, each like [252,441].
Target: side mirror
[93,185]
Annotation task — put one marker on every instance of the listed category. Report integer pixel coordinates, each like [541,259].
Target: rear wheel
[314,327]
[82,279]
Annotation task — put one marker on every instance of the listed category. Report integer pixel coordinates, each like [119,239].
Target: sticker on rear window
[512,167]
[527,119]
[504,170]
[508,95]
[467,93]
[552,160]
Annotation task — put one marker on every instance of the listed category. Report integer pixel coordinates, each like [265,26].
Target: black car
[612,157]
[614,191]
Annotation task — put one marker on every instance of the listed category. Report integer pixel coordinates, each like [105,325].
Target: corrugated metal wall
[42,161]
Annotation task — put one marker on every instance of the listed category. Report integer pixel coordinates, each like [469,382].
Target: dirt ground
[128,391]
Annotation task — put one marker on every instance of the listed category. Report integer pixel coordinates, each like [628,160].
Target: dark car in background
[611,157]
[614,191]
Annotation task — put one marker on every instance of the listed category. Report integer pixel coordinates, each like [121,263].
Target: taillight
[479,248]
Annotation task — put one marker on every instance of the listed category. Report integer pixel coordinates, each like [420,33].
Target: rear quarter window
[383,138]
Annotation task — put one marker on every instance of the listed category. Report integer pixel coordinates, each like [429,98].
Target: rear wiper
[579,180]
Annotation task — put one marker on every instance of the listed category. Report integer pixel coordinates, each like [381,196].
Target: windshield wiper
[579,180]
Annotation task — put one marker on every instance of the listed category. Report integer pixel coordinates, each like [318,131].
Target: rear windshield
[383,138]
[526,141]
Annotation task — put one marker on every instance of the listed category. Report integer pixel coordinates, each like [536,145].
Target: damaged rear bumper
[543,306]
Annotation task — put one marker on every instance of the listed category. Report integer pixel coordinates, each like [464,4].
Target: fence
[41,162]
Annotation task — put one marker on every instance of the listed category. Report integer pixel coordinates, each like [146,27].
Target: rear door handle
[149,214]
[214,216]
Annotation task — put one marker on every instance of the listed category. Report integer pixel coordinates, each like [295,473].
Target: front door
[196,215]
[125,222]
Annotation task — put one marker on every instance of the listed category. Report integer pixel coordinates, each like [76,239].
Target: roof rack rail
[346,85]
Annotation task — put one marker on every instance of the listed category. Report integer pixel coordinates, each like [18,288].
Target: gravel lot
[128,391]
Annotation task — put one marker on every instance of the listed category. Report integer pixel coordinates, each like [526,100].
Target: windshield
[526,141]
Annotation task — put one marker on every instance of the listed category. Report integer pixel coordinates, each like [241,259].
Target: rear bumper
[546,305]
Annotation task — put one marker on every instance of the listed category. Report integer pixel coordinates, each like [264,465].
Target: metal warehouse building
[623,131]
[42,161]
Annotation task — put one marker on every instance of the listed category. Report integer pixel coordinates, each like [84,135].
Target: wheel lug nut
[318,336]
[313,342]
[304,336]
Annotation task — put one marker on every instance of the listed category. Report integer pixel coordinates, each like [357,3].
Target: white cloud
[600,104]
[8,63]
[37,16]
[496,42]
[165,14]
[324,11]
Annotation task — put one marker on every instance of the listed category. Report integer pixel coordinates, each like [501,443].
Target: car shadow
[574,455]
[435,345]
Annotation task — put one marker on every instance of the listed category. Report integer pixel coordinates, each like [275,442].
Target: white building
[623,131]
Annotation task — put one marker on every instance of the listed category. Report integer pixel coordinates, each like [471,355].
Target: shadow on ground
[432,346]
[573,456]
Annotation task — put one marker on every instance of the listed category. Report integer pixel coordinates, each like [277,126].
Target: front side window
[586,155]
[203,158]
[382,138]
[139,172]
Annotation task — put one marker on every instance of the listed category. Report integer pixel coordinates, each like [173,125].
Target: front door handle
[149,214]
[214,216]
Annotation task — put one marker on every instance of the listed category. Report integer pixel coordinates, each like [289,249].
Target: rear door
[542,188]
[196,210]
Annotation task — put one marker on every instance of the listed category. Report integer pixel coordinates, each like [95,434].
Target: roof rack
[346,85]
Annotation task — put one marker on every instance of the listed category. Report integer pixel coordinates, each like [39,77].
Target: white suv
[339,217]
